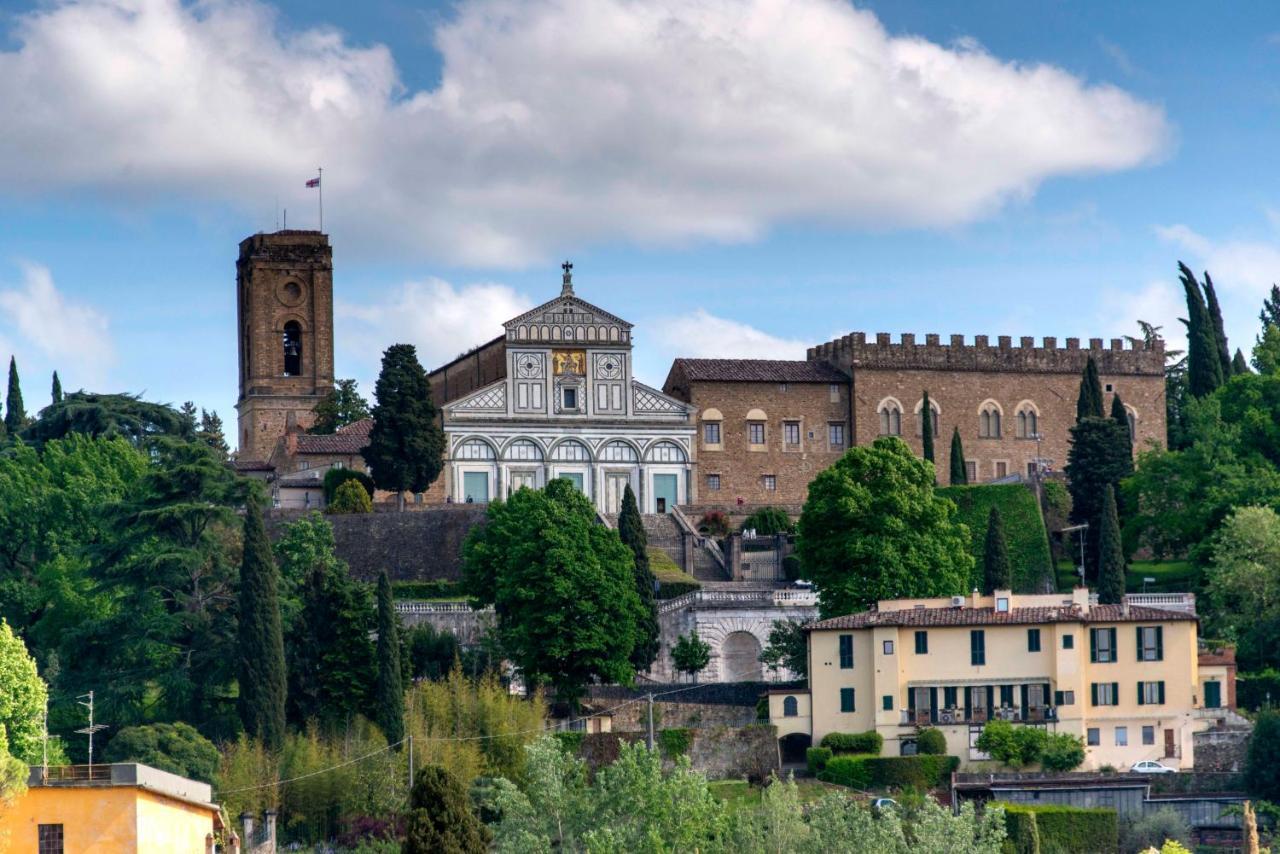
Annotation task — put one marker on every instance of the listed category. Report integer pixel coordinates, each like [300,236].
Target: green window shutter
[1159,643]
[1115,693]
[1115,650]
[1093,645]
[1141,701]
[1161,690]
[1139,649]
[1093,693]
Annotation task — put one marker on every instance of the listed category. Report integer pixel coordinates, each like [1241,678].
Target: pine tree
[57,388]
[340,407]
[1099,457]
[997,573]
[631,530]
[187,411]
[1111,575]
[959,471]
[1219,331]
[210,432]
[1204,368]
[262,672]
[390,687]
[406,445]
[1121,416]
[15,416]
[1270,314]
[1238,364]
[926,428]
[441,818]
[1089,402]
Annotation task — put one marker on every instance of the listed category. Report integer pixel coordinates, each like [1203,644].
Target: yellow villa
[1126,677]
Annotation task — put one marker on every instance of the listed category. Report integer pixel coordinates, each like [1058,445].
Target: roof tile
[759,370]
[348,440]
[990,617]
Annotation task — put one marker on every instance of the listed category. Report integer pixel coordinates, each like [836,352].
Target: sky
[735,177]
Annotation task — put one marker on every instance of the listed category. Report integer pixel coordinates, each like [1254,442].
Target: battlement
[854,351]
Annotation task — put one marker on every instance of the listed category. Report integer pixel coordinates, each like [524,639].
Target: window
[755,432]
[1102,646]
[846,652]
[977,647]
[922,643]
[1002,604]
[1064,698]
[790,707]
[1068,641]
[989,422]
[570,398]
[1148,735]
[1150,643]
[1122,736]
[711,432]
[304,465]
[713,482]
[886,702]
[833,392]
[846,699]
[292,368]
[949,698]
[1027,423]
[1006,696]
[1002,470]
[1094,736]
[888,647]
[49,839]
[835,435]
[933,409]
[770,482]
[1033,640]
[1105,693]
[1132,418]
[791,432]
[1150,693]
[890,419]
[971,471]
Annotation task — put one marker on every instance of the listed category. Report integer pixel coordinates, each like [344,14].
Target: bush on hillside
[1024,531]
[931,742]
[334,478]
[1152,829]
[889,772]
[869,742]
[1023,833]
[817,758]
[768,521]
[714,524]
[1064,830]
[177,748]
[350,497]
[1062,752]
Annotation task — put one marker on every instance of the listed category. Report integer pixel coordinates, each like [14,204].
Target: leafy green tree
[959,471]
[1261,771]
[997,573]
[174,747]
[15,416]
[631,531]
[22,697]
[1242,584]
[389,689]
[342,406]
[13,773]
[691,655]
[1089,400]
[431,652]
[211,433]
[262,675]
[872,528]
[441,818]
[1266,352]
[56,392]
[406,445]
[1062,752]
[563,588]
[108,415]
[1098,458]
[1204,367]
[767,521]
[1238,364]
[788,647]
[1111,578]
[350,497]
[1015,746]
[926,428]
[1270,314]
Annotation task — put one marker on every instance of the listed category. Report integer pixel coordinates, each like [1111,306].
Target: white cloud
[704,335]
[47,328]
[1158,302]
[556,122]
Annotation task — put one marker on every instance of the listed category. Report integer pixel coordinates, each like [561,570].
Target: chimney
[246,818]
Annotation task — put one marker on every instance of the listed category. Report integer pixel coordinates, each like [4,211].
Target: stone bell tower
[284,297]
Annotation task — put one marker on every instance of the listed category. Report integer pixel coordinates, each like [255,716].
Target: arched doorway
[740,658]
[794,745]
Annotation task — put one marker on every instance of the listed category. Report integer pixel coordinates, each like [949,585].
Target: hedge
[1023,530]
[570,742]
[1064,830]
[672,580]
[817,759]
[675,741]
[848,771]
[334,478]
[1024,833]
[860,771]
[931,742]
[869,742]
[1252,689]
[437,589]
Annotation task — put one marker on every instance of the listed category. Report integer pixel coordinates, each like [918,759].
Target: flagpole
[320,187]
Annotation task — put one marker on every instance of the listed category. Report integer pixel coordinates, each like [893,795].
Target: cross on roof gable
[552,312]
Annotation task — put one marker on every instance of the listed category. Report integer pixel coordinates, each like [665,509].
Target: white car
[1148,766]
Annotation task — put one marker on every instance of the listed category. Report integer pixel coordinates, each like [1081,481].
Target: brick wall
[470,371]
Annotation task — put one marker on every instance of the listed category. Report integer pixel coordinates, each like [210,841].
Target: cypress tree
[1111,574]
[389,690]
[262,672]
[1270,314]
[959,471]
[997,573]
[406,445]
[1219,331]
[1089,402]
[441,818]
[1099,457]
[15,416]
[631,531]
[1121,416]
[57,388]
[1238,364]
[1204,369]
[926,412]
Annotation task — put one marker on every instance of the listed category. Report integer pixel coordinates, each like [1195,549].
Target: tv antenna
[92,727]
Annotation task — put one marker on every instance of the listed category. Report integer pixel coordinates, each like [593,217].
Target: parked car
[1148,766]
[880,805]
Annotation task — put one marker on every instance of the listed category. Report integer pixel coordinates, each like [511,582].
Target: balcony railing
[944,717]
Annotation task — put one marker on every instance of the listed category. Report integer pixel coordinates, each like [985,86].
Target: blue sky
[742,179]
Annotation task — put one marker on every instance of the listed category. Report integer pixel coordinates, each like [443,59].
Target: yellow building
[1124,677]
[110,809]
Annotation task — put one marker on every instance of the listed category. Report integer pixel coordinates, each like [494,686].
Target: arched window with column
[890,417]
[989,416]
[293,349]
[934,409]
[1027,420]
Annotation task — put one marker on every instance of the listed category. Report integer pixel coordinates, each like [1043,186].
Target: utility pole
[92,727]
[44,738]
[651,720]
[411,763]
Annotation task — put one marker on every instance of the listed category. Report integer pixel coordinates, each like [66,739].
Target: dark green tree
[997,572]
[188,412]
[406,444]
[389,714]
[691,655]
[1121,416]
[1111,577]
[108,415]
[959,471]
[788,647]
[767,521]
[1261,770]
[340,407]
[210,432]
[1219,331]
[1270,314]
[926,428]
[15,416]
[872,528]
[57,388]
[631,530]
[1099,457]
[1204,367]
[563,588]
[1238,364]
[174,747]
[441,820]
[1089,401]
[262,672]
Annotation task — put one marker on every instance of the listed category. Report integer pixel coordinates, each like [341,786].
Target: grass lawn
[1171,576]
[739,794]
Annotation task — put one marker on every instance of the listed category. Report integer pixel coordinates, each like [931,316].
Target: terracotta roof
[348,440]
[990,617]
[252,465]
[758,370]
[1217,656]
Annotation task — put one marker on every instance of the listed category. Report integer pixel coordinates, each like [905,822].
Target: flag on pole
[314,182]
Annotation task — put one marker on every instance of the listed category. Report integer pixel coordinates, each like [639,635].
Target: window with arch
[571,452]
[790,707]
[989,421]
[619,452]
[293,349]
[667,452]
[475,449]
[1132,417]
[890,418]
[1027,423]
[933,408]
[525,450]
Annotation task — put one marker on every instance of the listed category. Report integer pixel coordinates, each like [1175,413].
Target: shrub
[910,772]
[1025,534]
[817,759]
[714,524]
[1261,771]
[350,497]
[1256,690]
[1062,752]
[768,521]
[1012,745]
[570,742]
[1064,830]
[435,589]
[931,742]
[1151,830]
[441,818]
[1024,833]
[672,589]
[792,568]
[334,478]
[675,742]
[848,771]
[177,748]
[869,742]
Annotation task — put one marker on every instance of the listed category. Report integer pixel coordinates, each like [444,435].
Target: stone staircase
[664,532]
